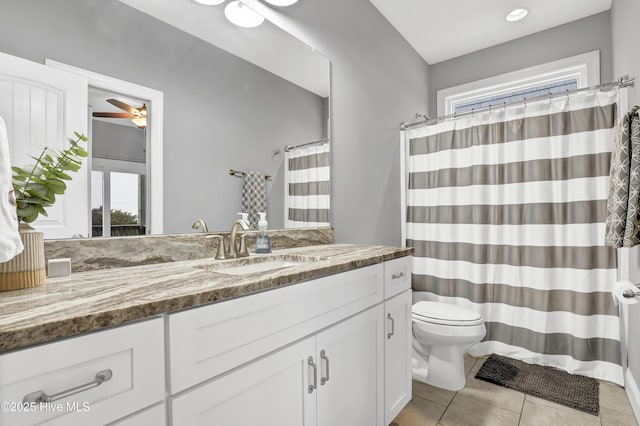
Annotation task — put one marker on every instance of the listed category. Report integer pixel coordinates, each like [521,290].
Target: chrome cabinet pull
[393,326]
[41,396]
[315,374]
[398,275]
[324,356]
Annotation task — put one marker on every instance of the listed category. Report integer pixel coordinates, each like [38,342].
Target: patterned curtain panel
[623,206]
[506,211]
[307,187]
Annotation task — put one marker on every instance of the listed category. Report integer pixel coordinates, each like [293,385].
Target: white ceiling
[443,29]
[266,46]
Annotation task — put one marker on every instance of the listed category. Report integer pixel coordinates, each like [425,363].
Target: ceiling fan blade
[114,115]
[124,106]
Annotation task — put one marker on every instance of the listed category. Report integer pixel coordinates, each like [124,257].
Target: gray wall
[574,38]
[117,142]
[220,111]
[378,81]
[624,24]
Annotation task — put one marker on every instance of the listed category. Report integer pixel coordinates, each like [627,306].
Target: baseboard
[633,392]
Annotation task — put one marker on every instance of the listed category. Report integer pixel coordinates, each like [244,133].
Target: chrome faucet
[234,251]
[199,224]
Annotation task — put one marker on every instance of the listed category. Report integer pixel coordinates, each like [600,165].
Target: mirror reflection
[233,99]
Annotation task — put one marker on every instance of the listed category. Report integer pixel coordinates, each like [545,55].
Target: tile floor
[483,403]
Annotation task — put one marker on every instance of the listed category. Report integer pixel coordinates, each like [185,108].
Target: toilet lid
[445,313]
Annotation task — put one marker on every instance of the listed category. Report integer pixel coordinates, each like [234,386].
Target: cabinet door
[272,391]
[397,354]
[42,106]
[153,416]
[351,361]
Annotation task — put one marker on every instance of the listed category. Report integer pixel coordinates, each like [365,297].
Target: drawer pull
[397,276]
[315,374]
[324,356]
[41,396]
[393,326]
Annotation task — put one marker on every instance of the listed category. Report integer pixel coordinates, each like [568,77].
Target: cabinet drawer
[397,276]
[210,340]
[134,354]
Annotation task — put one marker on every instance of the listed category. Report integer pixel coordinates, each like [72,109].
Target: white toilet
[441,334]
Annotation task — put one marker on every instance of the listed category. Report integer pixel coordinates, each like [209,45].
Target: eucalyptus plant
[36,185]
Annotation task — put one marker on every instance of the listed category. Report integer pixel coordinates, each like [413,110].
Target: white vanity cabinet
[325,352]
[332,378]
[314,353]
[398,334]
[93,379]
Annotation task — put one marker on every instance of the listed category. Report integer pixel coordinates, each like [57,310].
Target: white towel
[10,243]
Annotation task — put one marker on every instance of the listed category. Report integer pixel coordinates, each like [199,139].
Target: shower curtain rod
[292,147]
[623,81]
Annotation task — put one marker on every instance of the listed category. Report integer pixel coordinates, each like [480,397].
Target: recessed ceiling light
[210,2]
[516,15]
[281,2]
[242,16]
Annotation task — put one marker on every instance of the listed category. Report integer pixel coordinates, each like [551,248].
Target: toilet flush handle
[393,326]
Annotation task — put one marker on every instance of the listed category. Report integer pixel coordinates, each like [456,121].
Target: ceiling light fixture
[210,2]
[281,2]
[516,15]
[141,122]
[242,16]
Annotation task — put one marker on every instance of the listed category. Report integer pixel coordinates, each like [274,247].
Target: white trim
[585,67]
[119,166]
[403,187]
[154,133]
[633,393]
[107,166]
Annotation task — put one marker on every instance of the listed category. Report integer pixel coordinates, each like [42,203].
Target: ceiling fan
[137,115]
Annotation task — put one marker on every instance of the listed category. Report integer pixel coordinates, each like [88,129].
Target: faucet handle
[243,246]
[220,252]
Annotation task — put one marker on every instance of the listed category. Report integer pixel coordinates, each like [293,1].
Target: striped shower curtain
[307,186]
[506,212]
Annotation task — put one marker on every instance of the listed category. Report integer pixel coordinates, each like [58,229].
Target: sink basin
[256,264]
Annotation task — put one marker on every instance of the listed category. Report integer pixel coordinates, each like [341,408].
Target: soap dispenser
[263,244]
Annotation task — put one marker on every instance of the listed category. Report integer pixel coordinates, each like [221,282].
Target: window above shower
[558,76]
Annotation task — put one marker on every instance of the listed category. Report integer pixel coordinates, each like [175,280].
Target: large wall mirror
[233,99]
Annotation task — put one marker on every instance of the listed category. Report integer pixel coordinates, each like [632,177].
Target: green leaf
[81,137]
[61,175]
[28,214]
[36,185]
[80,152]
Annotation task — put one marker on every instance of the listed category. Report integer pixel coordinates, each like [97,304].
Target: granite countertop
[88,301]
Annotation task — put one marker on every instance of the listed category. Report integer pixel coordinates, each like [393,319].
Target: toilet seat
[444,314]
